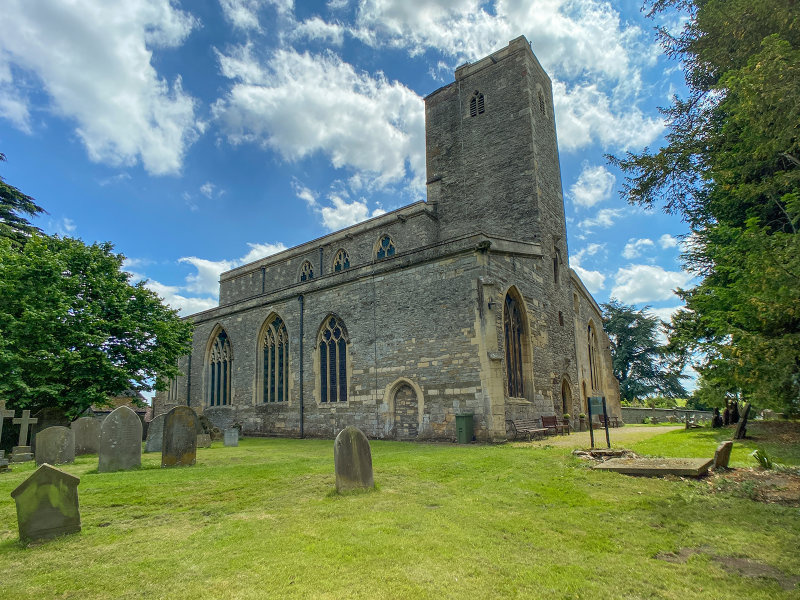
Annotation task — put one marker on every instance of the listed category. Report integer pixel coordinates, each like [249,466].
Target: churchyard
[263,519]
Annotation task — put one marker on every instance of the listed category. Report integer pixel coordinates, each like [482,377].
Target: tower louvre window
[476,104]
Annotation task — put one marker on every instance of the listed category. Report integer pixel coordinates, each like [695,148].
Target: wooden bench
[527,427]
[553,424]
[612,421]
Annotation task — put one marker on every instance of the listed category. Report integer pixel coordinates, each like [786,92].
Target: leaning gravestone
[180,437]
[231,437]
[56,446]
[723,455]
[120,441]
[741,428]
[47,504]
[352,460]
[155,435]
[87,435]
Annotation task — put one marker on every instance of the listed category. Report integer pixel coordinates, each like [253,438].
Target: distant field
[514,520]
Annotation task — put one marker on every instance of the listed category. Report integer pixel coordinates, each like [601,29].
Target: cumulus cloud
[637,284]
[243,14]
[635,247]
[593,280]
[185,305]
[668,241]
[605,217]
[94,61]
[301,104]
[594,185]
[338,213]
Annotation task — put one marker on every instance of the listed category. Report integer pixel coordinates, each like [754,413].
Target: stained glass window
[219,369]
[386,248]
[333,361]
[341,261]
[306,271]
[275,362]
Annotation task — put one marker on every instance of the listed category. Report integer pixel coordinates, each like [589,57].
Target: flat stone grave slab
[656,467]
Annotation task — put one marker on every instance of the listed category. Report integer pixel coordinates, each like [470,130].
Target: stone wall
[637,415]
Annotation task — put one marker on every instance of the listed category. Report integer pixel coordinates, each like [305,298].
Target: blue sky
[198,136]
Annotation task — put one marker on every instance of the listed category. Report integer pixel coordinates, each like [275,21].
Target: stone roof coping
[583,289]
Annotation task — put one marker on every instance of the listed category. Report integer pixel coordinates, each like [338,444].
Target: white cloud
[637,284]
[593,280]
[665,314]
[667,241]
[343,214]
[300,104]
[604,218]
[594,185]
[635,247]
[243,14]
[185,305]
[317,29]
[207,189]
[94,60]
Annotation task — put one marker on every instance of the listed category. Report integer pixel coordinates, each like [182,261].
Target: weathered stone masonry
[424,303]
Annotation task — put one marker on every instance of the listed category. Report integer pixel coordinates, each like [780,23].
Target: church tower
[491,152]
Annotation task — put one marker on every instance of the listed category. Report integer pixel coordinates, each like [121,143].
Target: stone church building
[464,303]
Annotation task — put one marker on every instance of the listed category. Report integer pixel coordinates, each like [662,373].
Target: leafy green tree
[643,366]
[74,331]
[731,168]
[13,202]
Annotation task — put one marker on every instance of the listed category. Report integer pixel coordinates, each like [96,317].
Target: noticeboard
[596,405]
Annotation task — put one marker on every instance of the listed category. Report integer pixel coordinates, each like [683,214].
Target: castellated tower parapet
[492,154]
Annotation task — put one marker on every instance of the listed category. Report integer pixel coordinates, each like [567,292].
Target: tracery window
[476,104]
[341,261]
[512,326]
[386,248]
[275,362]
[219,369]
[333,361]
[306,271]
[593,358]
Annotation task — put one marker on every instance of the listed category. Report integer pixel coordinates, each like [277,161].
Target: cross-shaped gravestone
[24,422]
[4,414]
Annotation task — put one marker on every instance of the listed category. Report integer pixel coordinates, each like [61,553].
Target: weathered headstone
[4,414]
[231,437]
[723,455]
[180,437]
[51,416]
[155,435]
[203,440]
[352,460]
[120,441]
[22,452]
[216,434]
[56,446]
[87,435]
[3,461]
[741,428]
[47,504]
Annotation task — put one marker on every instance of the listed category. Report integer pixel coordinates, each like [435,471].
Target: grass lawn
[514,520]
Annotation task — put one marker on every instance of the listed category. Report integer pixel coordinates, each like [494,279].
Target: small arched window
[386,248]
[593,358]
[341,261]
[476,104]
[219,369]
[275,362]
[513,330]
[333,361]
[306,271]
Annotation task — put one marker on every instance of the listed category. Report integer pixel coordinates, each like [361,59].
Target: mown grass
[262,521]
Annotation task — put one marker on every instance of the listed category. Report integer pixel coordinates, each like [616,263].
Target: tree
[731,168]
[642,365]
[74,331]
[13,202]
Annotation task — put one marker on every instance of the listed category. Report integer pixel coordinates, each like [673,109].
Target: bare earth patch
[771,486]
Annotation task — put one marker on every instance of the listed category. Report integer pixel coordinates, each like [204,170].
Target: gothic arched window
[512,327]
[275,362]
[219,369]
[593,358]
[341,261]
[333,361]
[476,104]
[306,271]
[386,248]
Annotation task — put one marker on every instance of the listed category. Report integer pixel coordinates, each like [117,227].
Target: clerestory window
[386,248]
[341,261]
[306,271]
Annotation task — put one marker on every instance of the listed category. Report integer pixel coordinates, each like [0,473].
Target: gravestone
[22,452]
[87,435]
[47,417]
[723,455]
[47,504]
[4,414]
[155,435]
[352,460]
[231,437]
[741,428]
[180,437]
[203,440]
[56,446]
[216,434]
[3,461]
[120,441]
